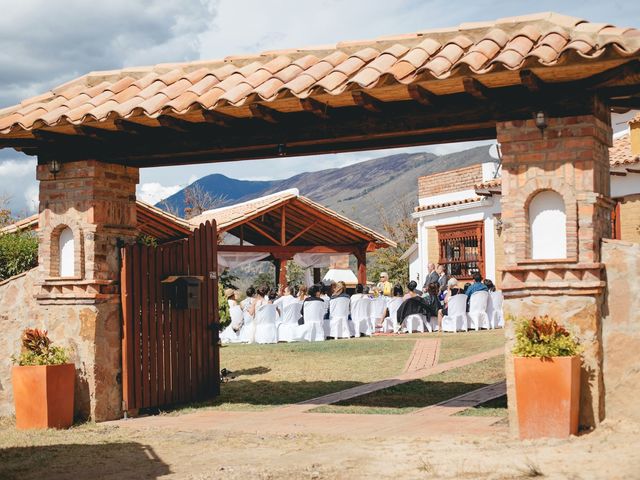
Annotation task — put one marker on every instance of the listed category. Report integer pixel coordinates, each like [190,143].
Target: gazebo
[285,225]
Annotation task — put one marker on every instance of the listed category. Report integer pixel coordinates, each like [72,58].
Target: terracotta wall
[433,249]
[621,330]
[630,219]
[85,331]
[452,181]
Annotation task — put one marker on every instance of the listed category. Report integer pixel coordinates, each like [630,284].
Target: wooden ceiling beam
[262,231]
[278,249]
[319,109]
[367,101]
[475,88]
[220,119]
[177,124]
[134,128]
[422,95]
[268,114]
[300,233]
[531,81]
[629,71]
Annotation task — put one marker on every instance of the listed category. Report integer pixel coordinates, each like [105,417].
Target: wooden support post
[282,277]
[361,256]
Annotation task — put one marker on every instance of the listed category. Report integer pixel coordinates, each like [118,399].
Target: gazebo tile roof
[546,39]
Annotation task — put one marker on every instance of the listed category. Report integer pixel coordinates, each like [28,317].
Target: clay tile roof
[433,206]
[538,40]
[620,153]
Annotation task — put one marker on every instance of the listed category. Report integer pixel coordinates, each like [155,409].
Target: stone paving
[435,420]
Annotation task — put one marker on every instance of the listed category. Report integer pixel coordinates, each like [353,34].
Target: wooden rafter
[422,95]
[283,225]
[299,234]
[367,101]
[475,88]
[531,81]
[262,232]
[319,109]
[265,113]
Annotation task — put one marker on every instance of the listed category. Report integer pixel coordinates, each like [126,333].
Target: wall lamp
[541,120]
[54,166]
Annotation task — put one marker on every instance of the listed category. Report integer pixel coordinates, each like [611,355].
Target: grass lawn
[411,396]
[493,408]
[280,374]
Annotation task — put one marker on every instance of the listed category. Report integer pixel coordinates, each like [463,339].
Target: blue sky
[44,43]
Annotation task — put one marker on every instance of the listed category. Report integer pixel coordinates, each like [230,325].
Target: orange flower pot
[43,395]
[547,396]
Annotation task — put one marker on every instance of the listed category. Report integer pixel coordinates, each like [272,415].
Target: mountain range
[359,191]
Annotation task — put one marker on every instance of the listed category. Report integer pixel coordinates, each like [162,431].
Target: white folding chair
[339,318]
[390,323]
[289,330]
[478,317]
[248,330]
[361,316]
[229,335]
[378,306]
[266,331]
[456,318]
[496,318]
[313,329]
[432,324]
[414,323]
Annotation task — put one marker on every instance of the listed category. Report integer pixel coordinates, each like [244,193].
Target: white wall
[67,253]
[548,226]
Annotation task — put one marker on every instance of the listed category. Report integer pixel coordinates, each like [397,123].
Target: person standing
[443,278]
[432,276]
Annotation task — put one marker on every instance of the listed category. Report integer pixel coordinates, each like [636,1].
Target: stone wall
[86,332]
[621,330]
[630,219]
[451,181]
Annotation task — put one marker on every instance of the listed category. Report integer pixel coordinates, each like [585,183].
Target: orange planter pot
[43,395]
[547,396]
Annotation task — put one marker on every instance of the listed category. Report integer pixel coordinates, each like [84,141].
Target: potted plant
[547,376]
[43,383]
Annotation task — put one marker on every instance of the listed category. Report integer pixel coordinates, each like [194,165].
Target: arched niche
[66,253]
[547,226]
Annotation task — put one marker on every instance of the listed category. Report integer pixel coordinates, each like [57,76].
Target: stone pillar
[81,306]
[570,157]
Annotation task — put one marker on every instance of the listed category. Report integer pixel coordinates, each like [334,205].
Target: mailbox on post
[183,290]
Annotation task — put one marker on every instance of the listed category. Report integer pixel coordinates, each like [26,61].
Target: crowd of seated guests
[399,308]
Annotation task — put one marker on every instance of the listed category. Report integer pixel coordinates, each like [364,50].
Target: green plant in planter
[37,349]
[543,337]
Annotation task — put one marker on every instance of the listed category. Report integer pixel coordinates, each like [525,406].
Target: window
[547,226]
[67,253]
[462,249]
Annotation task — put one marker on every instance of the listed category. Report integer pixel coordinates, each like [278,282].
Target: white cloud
[18,182]
[153,192]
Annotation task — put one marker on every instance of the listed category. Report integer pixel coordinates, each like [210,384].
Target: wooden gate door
[170,355]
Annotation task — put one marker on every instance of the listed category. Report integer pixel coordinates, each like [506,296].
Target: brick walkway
[293,419]
[425,354]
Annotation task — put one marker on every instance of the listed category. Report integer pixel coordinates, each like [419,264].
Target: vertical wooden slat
[136,328]
[197,247]
[194,329]
[185,363]
[144,318]
[205,247]
[153,322]
[128,364]
[212,235]
[159,327]
[166,329]
[175,371]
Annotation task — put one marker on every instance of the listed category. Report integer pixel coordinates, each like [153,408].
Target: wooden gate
[169,355]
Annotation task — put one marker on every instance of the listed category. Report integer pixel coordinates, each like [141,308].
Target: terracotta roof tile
[434,206]
[620,153]
[545,39]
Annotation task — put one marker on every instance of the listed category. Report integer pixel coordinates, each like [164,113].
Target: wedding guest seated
[366,291]
[326,291]
[433,302]
[452,289]
[359,293]
[251,292]
[231,333]
[301,292]
[489,284]
[286,299]
[390,311]
[314,296]
[476,286]
[412,290]
[413,305]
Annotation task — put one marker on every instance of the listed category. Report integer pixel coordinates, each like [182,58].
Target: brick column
[570,157]
[97,202]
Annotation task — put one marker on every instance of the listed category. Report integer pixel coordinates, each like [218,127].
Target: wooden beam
[631,103]
[101,134]
[422,95]
[18,142]
[265,113]
[220,119]
[49,136]
[300,233]
[262,232]
[283,226]
[475,88]
[290,249]
[531,81]
[319,109]
[366,101]
[176,124]
[627,71]
[133,127]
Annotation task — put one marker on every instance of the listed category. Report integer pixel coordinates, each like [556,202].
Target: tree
[198,200]
[295,273]
[401,228]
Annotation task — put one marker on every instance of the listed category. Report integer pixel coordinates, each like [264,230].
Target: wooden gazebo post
[361,257]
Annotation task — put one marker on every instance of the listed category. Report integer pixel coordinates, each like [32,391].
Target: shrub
[543,337]
[38,350]
[18,253]
[223,307]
